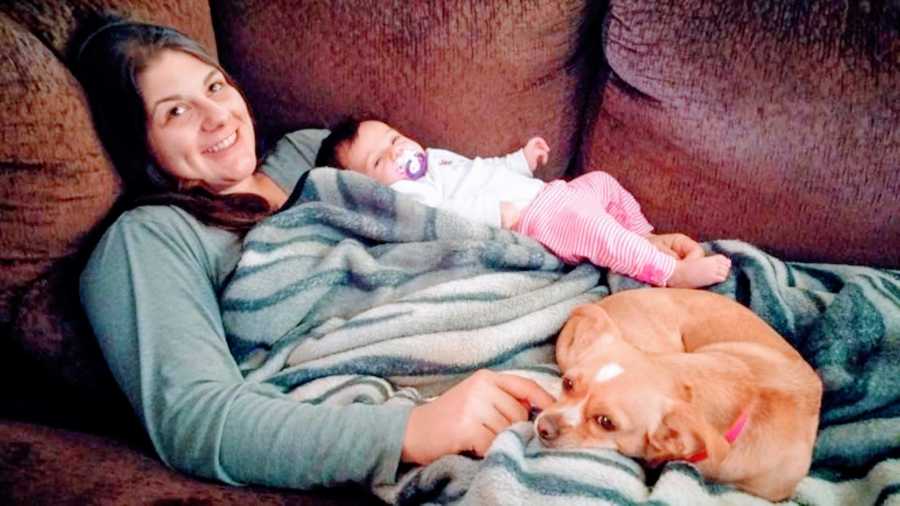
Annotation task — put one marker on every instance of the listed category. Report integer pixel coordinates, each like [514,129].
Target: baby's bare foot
[699,272]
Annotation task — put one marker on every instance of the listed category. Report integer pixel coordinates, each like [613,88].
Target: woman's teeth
[223,144]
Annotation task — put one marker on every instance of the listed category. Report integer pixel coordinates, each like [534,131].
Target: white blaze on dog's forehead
[572,415]
[608,372]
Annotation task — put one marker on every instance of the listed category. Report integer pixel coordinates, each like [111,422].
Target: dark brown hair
[344,132]
[108,53]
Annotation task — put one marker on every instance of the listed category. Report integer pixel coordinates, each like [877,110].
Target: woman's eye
[177,111]
[216,86]
[606,423]
[568,384]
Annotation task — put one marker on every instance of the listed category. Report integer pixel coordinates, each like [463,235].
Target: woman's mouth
[223,144]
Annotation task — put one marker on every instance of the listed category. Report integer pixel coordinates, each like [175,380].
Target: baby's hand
[509,214]
[537,152]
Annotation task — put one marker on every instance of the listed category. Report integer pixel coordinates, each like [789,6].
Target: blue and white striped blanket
[357,294]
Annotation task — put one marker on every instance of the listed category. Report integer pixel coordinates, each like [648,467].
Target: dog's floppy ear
[586,324]
[684,434]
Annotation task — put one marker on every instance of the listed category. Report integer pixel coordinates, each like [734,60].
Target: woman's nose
[214,115]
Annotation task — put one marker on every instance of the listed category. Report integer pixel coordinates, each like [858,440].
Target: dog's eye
[606,423]
[568,384]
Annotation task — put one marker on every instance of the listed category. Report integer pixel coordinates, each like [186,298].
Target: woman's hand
[537,152]
[679,246]
[467,417]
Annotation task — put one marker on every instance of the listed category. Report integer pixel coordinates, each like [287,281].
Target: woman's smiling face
[198,127]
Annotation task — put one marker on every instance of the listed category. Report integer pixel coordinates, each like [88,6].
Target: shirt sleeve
[149,295]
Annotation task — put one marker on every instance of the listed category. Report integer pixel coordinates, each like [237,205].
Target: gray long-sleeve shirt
[149,291]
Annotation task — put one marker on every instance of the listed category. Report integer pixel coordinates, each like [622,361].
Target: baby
[589,218]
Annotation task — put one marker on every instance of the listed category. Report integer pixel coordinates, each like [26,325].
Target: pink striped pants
[593,218]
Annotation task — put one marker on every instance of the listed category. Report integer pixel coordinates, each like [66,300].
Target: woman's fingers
[481,440]
[493,419]
[504,399]
[524,389]
[512,409]
[468,416]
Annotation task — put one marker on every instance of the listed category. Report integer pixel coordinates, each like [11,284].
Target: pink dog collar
[731,435]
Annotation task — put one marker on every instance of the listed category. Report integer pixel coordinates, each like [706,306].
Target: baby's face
[374,150]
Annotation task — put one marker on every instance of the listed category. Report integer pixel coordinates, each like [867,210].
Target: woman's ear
[587,325]
[684,434]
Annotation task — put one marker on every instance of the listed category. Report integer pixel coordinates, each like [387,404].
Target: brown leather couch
[775,123]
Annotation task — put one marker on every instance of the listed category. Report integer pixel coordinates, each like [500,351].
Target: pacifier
[413,164]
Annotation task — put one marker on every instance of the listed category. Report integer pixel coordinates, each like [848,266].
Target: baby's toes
[723,266]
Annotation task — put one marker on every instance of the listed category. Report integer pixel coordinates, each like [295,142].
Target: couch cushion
[52,330]
[42,465]
[467,75]
[775,123]
[54,22]
[56,184]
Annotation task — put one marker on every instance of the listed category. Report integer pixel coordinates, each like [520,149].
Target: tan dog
[673,374]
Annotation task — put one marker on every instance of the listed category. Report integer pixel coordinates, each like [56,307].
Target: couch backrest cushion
[467,75]
[775,123]
[56,183]
[54,22]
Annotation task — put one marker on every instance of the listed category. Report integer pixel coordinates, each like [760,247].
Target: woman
[179,131]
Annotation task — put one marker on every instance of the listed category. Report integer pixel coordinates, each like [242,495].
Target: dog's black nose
[546,427]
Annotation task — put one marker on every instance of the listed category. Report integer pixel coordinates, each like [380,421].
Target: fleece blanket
[357,294]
